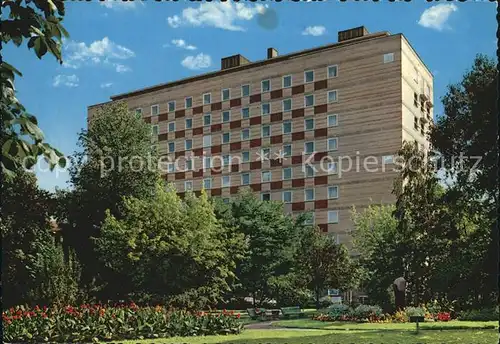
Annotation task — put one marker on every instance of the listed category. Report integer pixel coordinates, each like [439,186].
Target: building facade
[317,129]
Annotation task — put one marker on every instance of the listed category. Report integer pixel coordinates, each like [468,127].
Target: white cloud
[199,61]
[106,84]
[436,16]
[222,15]
[119,4]
[65,80]
[104,51]
[317,30]
[121,68]
[180,43]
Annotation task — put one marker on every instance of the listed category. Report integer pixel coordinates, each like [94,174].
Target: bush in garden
[339,312]
[485,314]
[367,313]
[88,323]
[415,311]
[400,317]
[443,316]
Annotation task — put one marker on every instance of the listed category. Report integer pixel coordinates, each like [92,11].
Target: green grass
[314,324]
[337,337]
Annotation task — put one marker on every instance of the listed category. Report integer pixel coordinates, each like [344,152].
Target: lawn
[456,325]
[337,337]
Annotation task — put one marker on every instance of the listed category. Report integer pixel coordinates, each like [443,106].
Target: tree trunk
[317,298]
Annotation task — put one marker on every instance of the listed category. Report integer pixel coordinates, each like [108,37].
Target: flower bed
[90,323]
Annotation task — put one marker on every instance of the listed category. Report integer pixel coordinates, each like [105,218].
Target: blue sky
[116,47]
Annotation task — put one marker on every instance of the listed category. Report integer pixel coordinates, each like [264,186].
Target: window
[207,119]
[226,137]
[416,76]
[207,141]
[308,76]
[309,147]
[207,183]
[189,165]
[226,200]
[332,167]
[333,192]
[226,181]
[388,57]
[266,131]
[245,156]
[287,150]
[388,159]
[207,98]
[287,173]
[171,127]
[188,102]
[245,112]
[207,162]
[287,196]
[333,216]
[415,99]
[428,90]
[332,71]
[287,81]
[309,171]
[189,123]
[265,153]
[310,219]
[188,144]
[415,123]
[245,134]
[332,96]
[155,109]
[171,147]
[226,94]
[309,195]
[266,176]
[333,120]
[309,124]
[265,86]
[309,100]
[171,167]
[265,108]
[332,144]
[287,127]
[138,112]
[154,130]
[226,160]
[245,179]
[188,185]
[245,90]
[287,105]
[266,196]
[171,106]
[422,127]
[226,116]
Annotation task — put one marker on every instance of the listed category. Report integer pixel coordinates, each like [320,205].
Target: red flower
[238,315]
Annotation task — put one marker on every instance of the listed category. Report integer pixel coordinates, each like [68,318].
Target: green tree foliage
[171,250]
[116,161]
[323,264]
[271,237]
[33,265]
[40,23]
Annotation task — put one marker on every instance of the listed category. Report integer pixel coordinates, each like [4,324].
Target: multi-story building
[286,126]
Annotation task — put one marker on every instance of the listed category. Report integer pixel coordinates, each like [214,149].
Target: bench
[292,312]
[255,313]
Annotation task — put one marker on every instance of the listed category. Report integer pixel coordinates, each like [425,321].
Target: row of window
[287,128]
[309,147]
[265,86]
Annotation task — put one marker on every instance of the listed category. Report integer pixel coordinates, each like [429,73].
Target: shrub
[485,314]
[443,316]
[339,312]
[400,317]
[367,313]
[415,311]
[90,323]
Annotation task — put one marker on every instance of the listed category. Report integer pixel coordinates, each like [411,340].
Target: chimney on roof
[233,61]
[352,33]
[271,53]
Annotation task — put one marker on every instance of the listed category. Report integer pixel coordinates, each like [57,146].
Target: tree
[116,161]
[33,265]
[40,23]
[271,237]
[468,129]
[322,263]
[170,250]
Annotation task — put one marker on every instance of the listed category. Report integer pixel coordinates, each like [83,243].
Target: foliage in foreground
[90,323]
